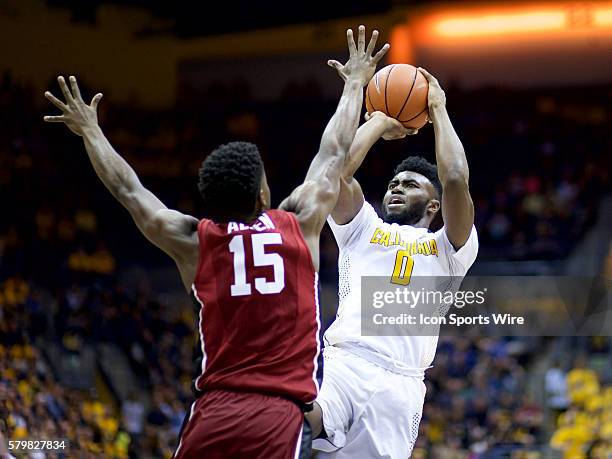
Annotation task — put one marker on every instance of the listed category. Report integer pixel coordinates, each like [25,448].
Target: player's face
[409,197]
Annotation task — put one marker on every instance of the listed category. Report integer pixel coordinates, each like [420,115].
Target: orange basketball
[400,91]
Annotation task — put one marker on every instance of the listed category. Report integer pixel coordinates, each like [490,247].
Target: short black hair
[230,181]
[421,166]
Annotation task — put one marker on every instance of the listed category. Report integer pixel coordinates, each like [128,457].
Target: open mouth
[395,201]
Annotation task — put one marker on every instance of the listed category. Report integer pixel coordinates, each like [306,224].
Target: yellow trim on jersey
[389,239]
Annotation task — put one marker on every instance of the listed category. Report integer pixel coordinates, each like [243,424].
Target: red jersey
[257,298]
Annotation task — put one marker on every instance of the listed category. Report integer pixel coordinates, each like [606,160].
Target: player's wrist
[380,120]
[437,106]
[91,130]
[390,125]
[355,81]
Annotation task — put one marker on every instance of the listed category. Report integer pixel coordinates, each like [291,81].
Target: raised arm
[453,171]
[316,197]
[350,198]
[171,231]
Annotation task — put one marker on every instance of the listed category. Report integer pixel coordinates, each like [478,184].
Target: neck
[252,218]
[423,223]
[246,219]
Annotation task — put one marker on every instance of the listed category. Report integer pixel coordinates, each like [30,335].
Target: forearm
[350,199]
[345,121]
[116,174]
[367,135]
[457,206]
[450,155]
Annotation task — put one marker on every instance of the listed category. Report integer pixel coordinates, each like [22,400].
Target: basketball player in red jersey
[252,272]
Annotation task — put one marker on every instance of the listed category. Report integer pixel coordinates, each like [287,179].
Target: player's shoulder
[170,217]
[368,215]
[463,257]
[278,214]
[280,219]
[471,240]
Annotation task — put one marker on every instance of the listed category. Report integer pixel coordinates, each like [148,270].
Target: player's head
[413,194]
[233,184]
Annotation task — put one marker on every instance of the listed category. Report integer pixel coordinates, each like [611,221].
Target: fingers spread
[351,41]
[65,90]
[55,101]
[379,55]
[75,88]
[54,119]
[372,43]
[338,67]
[361,39]
[95,101]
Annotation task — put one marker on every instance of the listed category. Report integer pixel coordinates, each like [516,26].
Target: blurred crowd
[539,163]
[584,421]
[477,404]
[479,401]
[34,403]
[34,406]
[475,396]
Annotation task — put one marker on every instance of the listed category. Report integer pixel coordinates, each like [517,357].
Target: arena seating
[540,164]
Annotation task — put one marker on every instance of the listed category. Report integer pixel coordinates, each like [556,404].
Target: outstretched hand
[361,64]
[76,114]
[394,129]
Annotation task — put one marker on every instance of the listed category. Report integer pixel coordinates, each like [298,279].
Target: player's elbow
[345,140]
[128,194]
[327,190]
[335,146]
[155,226]
[125,196]
[456,178]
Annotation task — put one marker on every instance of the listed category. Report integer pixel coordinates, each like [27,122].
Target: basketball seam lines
[420,113]
[409,92]
[368,97]
[386,86]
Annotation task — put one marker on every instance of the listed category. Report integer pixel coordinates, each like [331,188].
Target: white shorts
[368,411]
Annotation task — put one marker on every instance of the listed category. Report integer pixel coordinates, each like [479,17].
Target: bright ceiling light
[500,24]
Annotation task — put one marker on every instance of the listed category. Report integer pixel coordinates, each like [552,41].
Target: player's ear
[261,199]
[433,206]
[264,199]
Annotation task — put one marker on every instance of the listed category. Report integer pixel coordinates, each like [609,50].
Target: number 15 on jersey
[241,287]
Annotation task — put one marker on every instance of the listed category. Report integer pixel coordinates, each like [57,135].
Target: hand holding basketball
[361,64]
[394,129]
[435,96]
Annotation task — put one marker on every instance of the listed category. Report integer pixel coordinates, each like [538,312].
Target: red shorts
[226,424]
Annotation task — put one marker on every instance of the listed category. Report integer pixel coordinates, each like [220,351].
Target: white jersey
[369,247]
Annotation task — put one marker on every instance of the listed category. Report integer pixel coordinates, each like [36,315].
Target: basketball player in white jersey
[371,400]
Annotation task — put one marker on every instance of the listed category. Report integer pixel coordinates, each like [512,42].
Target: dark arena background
[96,332]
